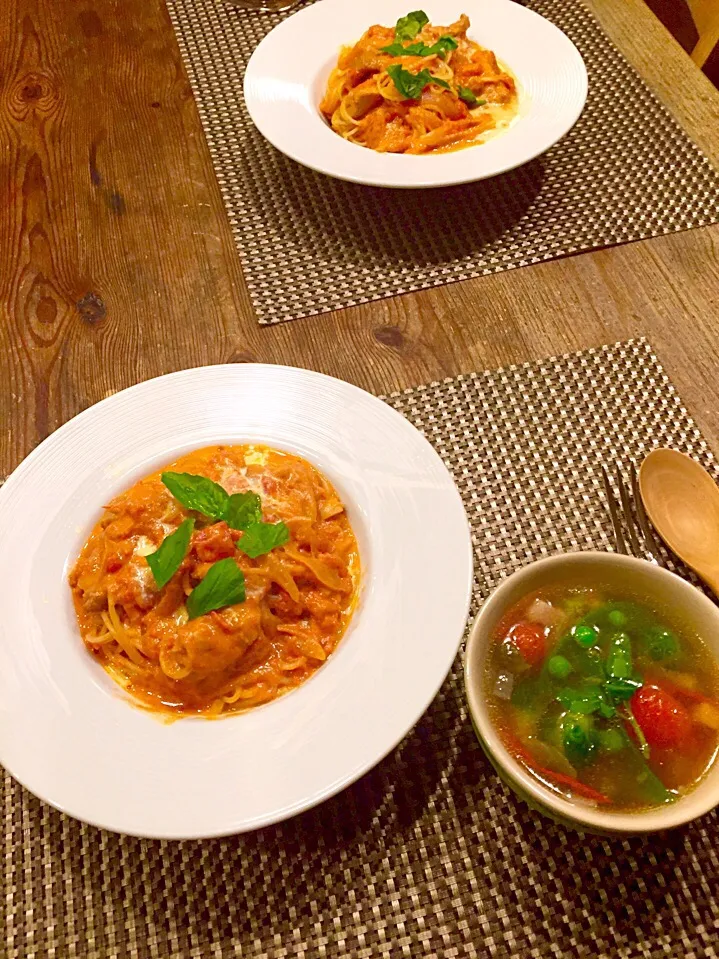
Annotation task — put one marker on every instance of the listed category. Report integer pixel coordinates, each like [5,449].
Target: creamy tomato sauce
[299,596]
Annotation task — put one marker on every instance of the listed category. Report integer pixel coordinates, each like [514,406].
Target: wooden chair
[706,17]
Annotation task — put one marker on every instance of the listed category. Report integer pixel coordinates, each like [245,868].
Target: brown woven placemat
[429,854]
[309,244]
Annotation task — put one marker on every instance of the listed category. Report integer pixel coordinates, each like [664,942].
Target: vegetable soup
[604,697]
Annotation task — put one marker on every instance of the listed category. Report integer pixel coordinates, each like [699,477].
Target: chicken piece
[362,99]
[493,91]
[475,63]
[94,599]
[366,53]
[430,34]
[211,650]
[372,129]
[422,120]
[445,103]
[134,585]
[120,528]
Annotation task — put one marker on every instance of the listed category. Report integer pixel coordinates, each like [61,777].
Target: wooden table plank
[117,263]
[664,65]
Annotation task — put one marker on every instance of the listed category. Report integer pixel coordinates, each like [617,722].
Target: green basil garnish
[260,538]
[419,49]
[397,50]
[224,585]
[165,561]
[441,48]
[584,702]
[408,27]
[204,496]
[466,95]
[411,85]
[197,493]
[243,510]
[622,689]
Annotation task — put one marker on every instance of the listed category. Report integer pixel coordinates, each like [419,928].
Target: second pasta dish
[418,89]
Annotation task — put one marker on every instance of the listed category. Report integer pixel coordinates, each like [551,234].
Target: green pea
[585,636]
[559,667]
[617,618]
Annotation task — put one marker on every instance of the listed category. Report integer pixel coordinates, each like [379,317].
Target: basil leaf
[411,85]
[260,538]
[198,493]
[606,711]
[224,585]
[466,95]
[243,510]
[440,83]
[585,702]
[441,48]
[408,27]
[419,49]
[622,689]
[396,50]
[166,560]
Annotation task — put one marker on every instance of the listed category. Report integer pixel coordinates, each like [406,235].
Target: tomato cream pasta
[219,583]
[418,89]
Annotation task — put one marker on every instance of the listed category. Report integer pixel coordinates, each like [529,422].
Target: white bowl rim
[664,817]
[328,452]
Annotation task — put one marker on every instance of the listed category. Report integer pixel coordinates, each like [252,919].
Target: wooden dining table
[117,263]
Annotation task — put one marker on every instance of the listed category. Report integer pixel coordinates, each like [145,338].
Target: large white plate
[70,735]
[287,75]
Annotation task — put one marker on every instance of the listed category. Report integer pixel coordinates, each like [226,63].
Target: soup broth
[604,697]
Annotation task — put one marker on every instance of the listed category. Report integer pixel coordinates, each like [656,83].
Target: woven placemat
[309,244]
[429,854]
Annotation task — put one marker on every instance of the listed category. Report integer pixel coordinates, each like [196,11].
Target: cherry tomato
[664,721]
[528,640]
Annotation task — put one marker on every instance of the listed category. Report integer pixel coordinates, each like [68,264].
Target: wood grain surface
[117,263]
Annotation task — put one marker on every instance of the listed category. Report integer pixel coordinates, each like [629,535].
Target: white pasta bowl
[288,72]
[69,733]
[658,586]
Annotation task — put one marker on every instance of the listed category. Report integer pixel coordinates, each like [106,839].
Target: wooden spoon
[682,501]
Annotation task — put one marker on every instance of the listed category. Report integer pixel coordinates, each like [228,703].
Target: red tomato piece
[213,542]
[664,721]
[528,639]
